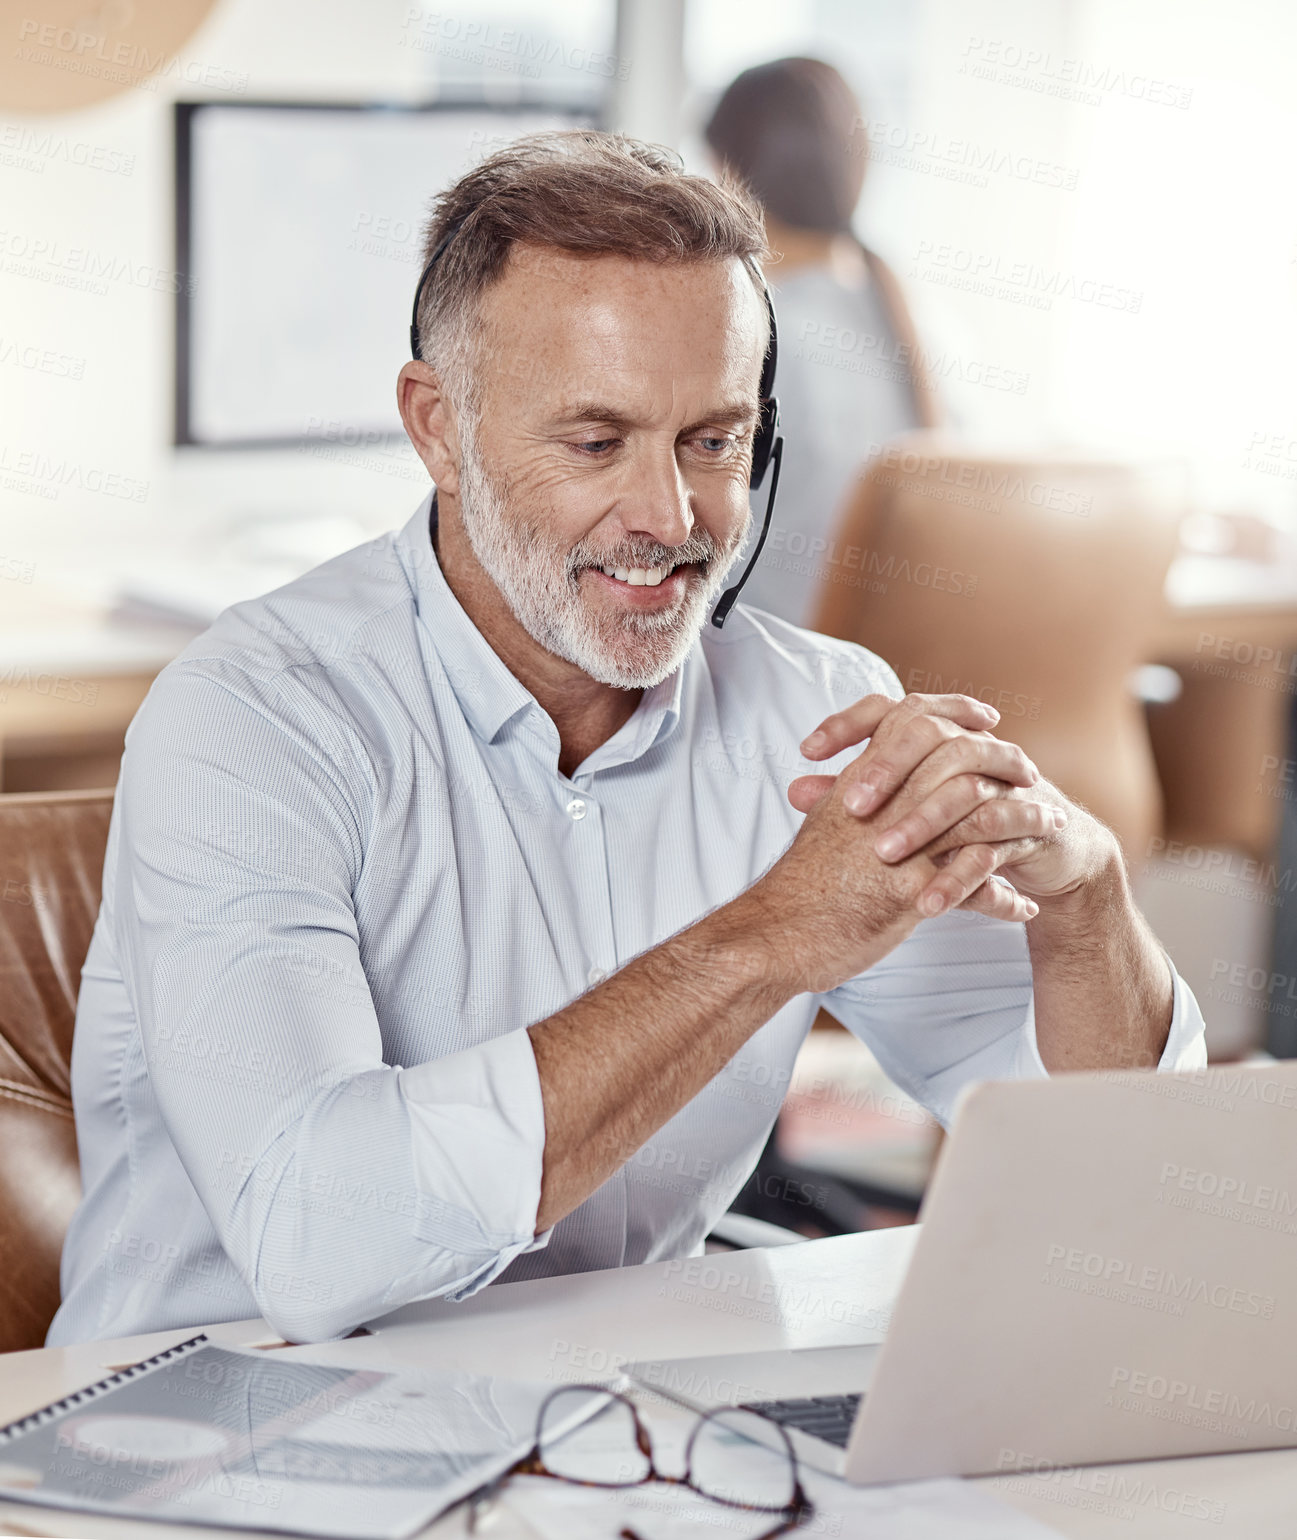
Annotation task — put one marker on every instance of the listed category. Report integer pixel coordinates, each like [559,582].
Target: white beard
[541,583]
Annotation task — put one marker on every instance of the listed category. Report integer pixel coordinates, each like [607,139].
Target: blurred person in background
[851,374]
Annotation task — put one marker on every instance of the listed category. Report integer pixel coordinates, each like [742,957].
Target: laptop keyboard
[826,1417]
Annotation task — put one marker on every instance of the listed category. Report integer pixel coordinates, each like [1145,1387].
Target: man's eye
[714,443]
[595,446]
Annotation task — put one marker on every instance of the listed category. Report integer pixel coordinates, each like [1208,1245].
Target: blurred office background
[209,237]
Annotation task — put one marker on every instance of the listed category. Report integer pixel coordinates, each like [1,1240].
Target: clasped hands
[938,791]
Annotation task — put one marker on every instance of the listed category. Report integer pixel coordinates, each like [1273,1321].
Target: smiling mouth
[647,577]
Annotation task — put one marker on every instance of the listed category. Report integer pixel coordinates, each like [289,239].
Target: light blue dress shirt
[344,875]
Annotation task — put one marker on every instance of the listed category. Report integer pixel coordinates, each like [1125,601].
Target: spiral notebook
[205,1434]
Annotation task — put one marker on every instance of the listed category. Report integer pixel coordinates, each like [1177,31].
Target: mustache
[700,547]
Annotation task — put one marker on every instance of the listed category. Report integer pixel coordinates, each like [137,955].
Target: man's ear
[430,423]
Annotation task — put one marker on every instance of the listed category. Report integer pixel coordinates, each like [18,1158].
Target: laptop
[1106,1270]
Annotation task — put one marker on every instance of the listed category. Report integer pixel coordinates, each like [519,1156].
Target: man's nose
[657,503]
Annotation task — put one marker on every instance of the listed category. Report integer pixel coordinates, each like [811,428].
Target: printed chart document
[213,1435]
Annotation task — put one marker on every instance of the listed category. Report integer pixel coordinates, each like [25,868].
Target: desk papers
[213,1435]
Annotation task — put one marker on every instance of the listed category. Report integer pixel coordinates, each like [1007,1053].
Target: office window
[518,50]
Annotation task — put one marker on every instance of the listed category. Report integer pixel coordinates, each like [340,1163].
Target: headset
[767,441]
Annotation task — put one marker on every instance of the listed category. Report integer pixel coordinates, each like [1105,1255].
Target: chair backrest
[1033,584]
[51,866]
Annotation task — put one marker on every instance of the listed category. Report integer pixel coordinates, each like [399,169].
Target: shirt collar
[488,693]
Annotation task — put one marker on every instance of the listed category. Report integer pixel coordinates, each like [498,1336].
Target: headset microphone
[767,442]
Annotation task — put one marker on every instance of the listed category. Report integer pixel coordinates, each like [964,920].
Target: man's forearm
[1102,986]
[623,1059]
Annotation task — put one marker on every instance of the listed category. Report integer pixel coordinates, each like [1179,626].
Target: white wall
[1195,207]
[980,180]
[103,438]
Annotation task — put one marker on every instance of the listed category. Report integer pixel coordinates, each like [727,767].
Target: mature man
[460,920]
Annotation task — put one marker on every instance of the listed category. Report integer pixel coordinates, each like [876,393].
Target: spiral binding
[77,1398]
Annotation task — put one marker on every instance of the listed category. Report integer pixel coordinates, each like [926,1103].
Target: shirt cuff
[477,1135]
[1186,1040]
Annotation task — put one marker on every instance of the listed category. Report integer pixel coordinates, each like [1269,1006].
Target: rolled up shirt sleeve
[478,1132]
[368,1183]
[953,1004]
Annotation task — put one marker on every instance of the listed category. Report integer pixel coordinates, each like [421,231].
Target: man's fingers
[965,872]
[1001,902]
[858,722]
[807,790]
[1015,821]
[967,868]
[939,811]
[970,810]
[943,749]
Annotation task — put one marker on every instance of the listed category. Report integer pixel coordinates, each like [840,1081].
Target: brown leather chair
[51,866]
[1034,584]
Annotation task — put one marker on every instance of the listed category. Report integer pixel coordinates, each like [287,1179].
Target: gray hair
[580,191]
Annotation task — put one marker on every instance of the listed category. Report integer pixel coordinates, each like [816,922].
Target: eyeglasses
[612,1450]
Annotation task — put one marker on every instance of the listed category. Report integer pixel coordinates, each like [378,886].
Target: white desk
[820,1294]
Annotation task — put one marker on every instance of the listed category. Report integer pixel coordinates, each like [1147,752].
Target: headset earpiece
[763,440]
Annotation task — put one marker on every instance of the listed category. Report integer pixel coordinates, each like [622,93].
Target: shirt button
[576,808]
[596,975]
